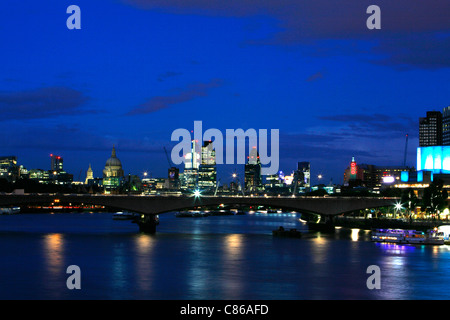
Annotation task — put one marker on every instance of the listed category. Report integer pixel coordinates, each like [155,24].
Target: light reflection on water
[220,258]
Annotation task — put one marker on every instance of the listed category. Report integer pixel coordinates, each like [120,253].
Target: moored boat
[124,215]
[191,214]
[12,210]
[291,233]
[408,236]
[387,235]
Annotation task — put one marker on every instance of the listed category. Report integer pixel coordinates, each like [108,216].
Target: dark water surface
[223,258]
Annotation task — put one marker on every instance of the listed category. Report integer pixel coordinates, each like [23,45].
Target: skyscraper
[303,174]
[430,129]
[446,126]
[253,179]
[56,163]
[207,174]
[191,166]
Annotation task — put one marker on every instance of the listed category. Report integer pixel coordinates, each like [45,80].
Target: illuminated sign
[388,179]
[353,169]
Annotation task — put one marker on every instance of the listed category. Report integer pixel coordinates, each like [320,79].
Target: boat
[191,214]
[291,233]
[12,210]
[124,215]
[434,237]
[387,235]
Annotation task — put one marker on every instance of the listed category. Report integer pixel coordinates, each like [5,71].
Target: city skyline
[138,70]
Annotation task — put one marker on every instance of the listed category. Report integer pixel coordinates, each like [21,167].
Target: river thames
[215,257]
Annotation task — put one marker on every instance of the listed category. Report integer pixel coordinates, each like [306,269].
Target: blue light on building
[435,159]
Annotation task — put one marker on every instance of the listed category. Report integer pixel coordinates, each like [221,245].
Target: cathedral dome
[113,166]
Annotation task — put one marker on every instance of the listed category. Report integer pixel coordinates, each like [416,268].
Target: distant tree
[434,197]
[409,201]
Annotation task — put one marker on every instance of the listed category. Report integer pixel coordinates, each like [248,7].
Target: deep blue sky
[139,69]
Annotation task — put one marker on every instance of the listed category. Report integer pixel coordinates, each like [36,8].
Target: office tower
[56,163]
[9,170]
[430,129]
[191,166]
[252,178]
[174,178]
[207,174]
[303,174]
[446,126]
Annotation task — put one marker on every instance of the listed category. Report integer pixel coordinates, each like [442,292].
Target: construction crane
[217,187]
[406,148]
[167,156]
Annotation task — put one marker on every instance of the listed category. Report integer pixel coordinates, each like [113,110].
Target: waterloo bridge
[150,206]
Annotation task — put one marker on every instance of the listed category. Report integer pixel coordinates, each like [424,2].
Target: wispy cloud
[168,74]
[41,103]
[191,92]
[408,34]
[314,77]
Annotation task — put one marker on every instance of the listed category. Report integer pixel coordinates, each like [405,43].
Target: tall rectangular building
[304,174]
[446,126]
[252,178]
[207,173]
[430,129]
[57,163]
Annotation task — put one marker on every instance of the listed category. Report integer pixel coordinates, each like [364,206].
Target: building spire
[113,153]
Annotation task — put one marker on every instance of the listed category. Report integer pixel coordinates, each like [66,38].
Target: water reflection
[232,265]
[119,268]
[144,245]
[54,263]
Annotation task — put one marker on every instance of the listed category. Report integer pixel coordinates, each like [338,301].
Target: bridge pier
[147,223]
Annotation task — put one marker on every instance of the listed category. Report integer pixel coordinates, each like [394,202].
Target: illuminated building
[113,174]
[353,175]
[435,159]
[303,175]
[446,126]
[39,175]
[191,166]
[89,175]
[56,163]
[430,129]
[174,178]
[9,170]
[252,178]
[207,174]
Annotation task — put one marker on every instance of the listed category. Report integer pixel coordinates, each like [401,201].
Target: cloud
[407,26]
[314,77]
[41,103]
[168,74]
[425,51]
[191,92]
[373,125]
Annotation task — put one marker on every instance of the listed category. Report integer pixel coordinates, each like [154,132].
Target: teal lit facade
[434,158]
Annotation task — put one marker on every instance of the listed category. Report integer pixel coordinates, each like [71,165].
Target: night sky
[139,69]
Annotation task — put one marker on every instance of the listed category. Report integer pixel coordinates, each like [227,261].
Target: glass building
[252,177]
[207,174]
[430,129]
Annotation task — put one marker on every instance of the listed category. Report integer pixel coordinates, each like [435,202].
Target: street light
[197,193]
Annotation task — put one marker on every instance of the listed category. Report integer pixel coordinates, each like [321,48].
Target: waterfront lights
[398,206]
[197,193]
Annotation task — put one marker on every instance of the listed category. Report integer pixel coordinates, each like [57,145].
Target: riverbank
[361,223]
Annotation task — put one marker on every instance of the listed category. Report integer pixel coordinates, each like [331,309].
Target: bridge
[150,206]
